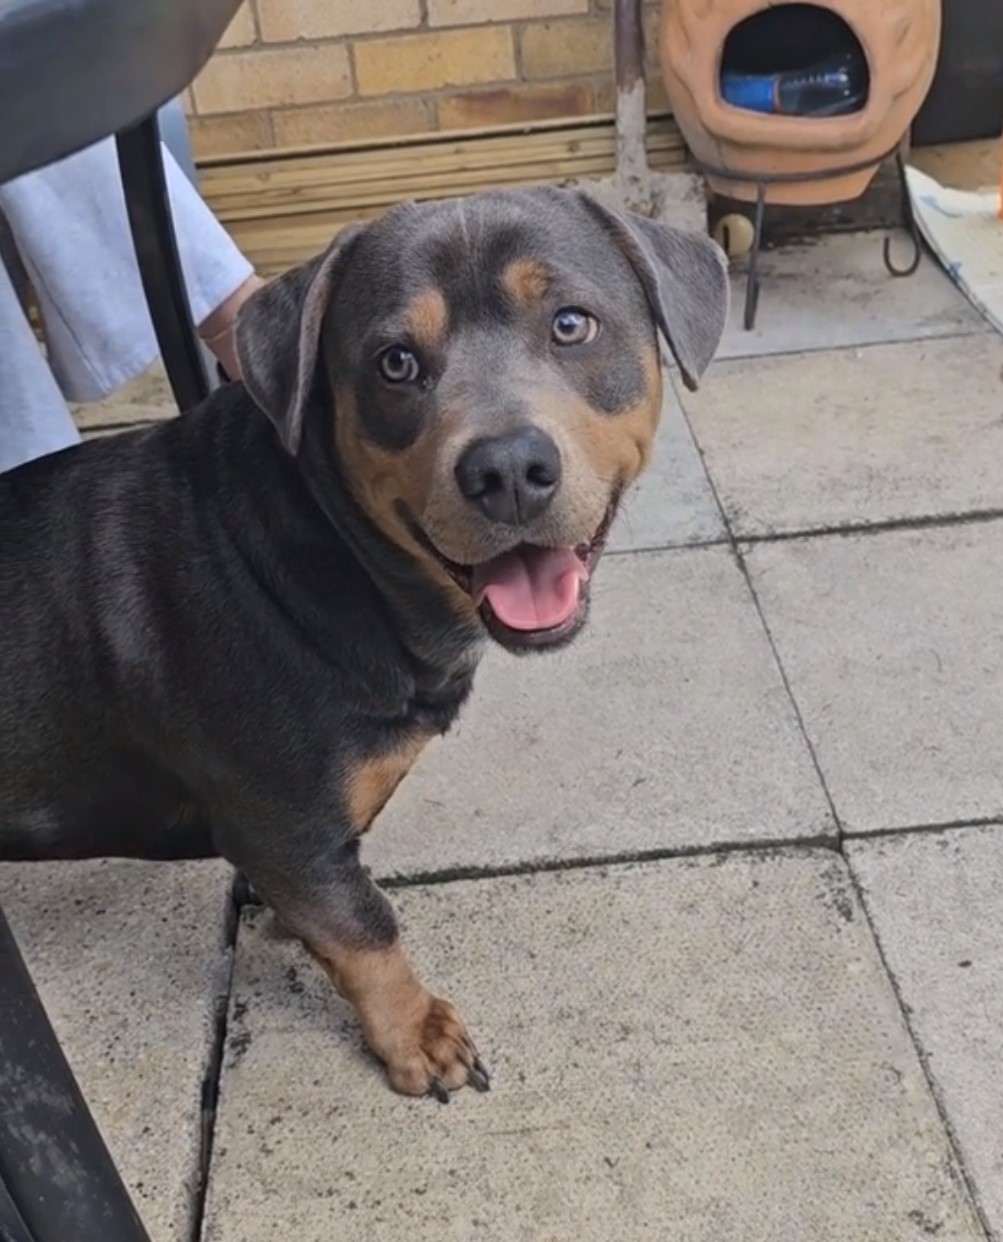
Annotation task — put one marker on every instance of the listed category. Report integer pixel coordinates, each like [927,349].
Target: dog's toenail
[479,1077]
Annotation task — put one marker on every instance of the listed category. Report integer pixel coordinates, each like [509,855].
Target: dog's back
[74,569]
[88,586]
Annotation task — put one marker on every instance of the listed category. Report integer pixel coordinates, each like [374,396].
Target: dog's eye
[399,365]
[574,327]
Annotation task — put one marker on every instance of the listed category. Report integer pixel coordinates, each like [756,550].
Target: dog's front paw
[434,1054]
[419,1037]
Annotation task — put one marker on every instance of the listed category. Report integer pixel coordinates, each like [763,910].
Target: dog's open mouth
[532,596]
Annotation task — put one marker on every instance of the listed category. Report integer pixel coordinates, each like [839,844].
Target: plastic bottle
[831,87]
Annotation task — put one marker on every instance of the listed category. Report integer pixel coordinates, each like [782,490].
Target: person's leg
[34,419]
[71,228]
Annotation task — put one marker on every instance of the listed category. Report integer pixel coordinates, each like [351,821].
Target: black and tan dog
[234,634]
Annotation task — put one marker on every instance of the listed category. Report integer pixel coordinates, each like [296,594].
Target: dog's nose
[511,478]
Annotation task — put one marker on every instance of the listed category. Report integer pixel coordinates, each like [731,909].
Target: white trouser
[70,226]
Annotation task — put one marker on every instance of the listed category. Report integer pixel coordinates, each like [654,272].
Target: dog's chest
[388,752]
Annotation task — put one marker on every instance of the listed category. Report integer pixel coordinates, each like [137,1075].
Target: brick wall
[293,73]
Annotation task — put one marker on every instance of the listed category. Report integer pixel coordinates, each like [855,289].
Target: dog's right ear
[278,337]
[685,278]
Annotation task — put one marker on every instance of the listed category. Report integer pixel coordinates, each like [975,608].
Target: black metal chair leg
[58,1182]
[12,1226]
[142,168]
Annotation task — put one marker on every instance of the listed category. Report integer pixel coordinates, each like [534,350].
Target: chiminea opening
[795,59]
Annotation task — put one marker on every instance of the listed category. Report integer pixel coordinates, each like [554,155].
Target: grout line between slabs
[213,1076]
[766,845]
[714,541]
[795,706]
[967,517]
[983,328]
[736,552]
[945,521]
[904,1009]
[842,837]
[967,1181]
[857,836]
[833,842]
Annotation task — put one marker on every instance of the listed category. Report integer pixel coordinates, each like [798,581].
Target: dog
[232,634]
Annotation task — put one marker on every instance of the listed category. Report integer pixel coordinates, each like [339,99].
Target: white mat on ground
[965,232]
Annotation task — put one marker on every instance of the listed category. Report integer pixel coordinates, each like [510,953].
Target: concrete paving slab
[891,643]
[666,726]
[102,433]
[673,503]
[130,963]
[835,291]
[147,398]
[936,904]
[703,1050]
[854,436]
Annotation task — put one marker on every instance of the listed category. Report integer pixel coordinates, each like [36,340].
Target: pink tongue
[531,588]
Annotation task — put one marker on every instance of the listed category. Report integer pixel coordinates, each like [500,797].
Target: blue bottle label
[753,91]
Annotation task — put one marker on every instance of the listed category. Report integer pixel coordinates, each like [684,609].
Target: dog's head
[494,383]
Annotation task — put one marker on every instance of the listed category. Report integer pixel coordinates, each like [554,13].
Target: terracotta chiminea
[898,39]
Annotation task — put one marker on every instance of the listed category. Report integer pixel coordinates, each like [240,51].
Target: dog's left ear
[278,337]
[685,278]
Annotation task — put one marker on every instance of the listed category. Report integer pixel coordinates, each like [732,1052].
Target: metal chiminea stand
[762,184]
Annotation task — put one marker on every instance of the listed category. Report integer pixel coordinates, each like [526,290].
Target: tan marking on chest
[372,781]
